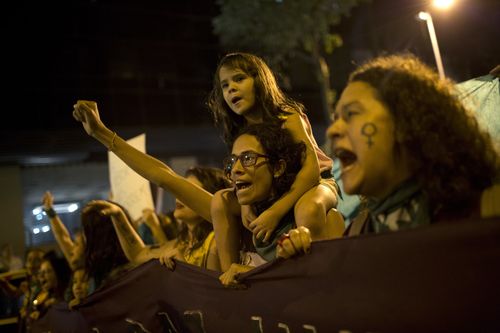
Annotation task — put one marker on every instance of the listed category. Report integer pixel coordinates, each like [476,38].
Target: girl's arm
[147,166]
[61,233]
[306,178]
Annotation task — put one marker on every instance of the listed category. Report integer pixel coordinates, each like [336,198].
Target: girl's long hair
[269,97]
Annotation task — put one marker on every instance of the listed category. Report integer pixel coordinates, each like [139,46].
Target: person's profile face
[183,213]
[363,138]
[80,284]
[252,183]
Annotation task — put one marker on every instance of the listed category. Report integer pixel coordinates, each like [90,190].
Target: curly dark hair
[454,160]
[278,145]
[272,100]
[212,180]
[103,251]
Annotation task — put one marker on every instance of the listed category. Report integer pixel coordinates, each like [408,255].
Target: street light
[425,16]
[442,4]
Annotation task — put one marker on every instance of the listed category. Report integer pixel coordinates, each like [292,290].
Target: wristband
[51,213]
[112,144]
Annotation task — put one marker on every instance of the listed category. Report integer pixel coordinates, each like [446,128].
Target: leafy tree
[283,28]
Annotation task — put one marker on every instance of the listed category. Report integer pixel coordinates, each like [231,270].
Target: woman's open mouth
[346,157]
[241,185]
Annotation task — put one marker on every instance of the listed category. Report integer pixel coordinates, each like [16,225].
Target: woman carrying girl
[264,164]
[245,92]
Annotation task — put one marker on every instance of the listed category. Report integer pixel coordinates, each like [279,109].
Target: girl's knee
[318,196]
[307,209]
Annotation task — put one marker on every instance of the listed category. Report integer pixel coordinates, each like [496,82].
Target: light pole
[425,16]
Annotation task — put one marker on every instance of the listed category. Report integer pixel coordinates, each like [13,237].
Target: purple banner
[440,278]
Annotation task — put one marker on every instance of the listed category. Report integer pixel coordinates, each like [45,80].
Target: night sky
[150,63]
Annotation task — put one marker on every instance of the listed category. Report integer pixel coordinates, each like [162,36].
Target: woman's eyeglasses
[247,159]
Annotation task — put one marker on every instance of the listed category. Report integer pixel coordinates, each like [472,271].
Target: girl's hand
[297,241]
[264,225]
[48,200]
[229,278]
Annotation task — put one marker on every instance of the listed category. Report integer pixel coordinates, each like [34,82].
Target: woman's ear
[279,168]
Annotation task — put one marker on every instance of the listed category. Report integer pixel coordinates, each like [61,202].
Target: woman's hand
[167,256]
[229,278]
[86,112]
[297,241]
[47,200]
[107,208]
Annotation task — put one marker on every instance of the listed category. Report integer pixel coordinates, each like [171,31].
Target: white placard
[129,189]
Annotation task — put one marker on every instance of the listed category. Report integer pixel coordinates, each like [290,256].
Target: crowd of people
[407,146]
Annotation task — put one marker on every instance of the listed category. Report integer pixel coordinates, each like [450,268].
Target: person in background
[104,259]
[72,249]
[54,277]
[27,289]
[195,242]
[79,287]
[8,260]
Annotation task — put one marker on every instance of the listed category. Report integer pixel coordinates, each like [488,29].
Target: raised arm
[131,243]
[61,233]
[147,166]
[152,221]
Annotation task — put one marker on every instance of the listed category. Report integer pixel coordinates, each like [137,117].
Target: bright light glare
[72,207]
[424,16]
[36,231]
[442,4]
[45,228]
[59,208]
